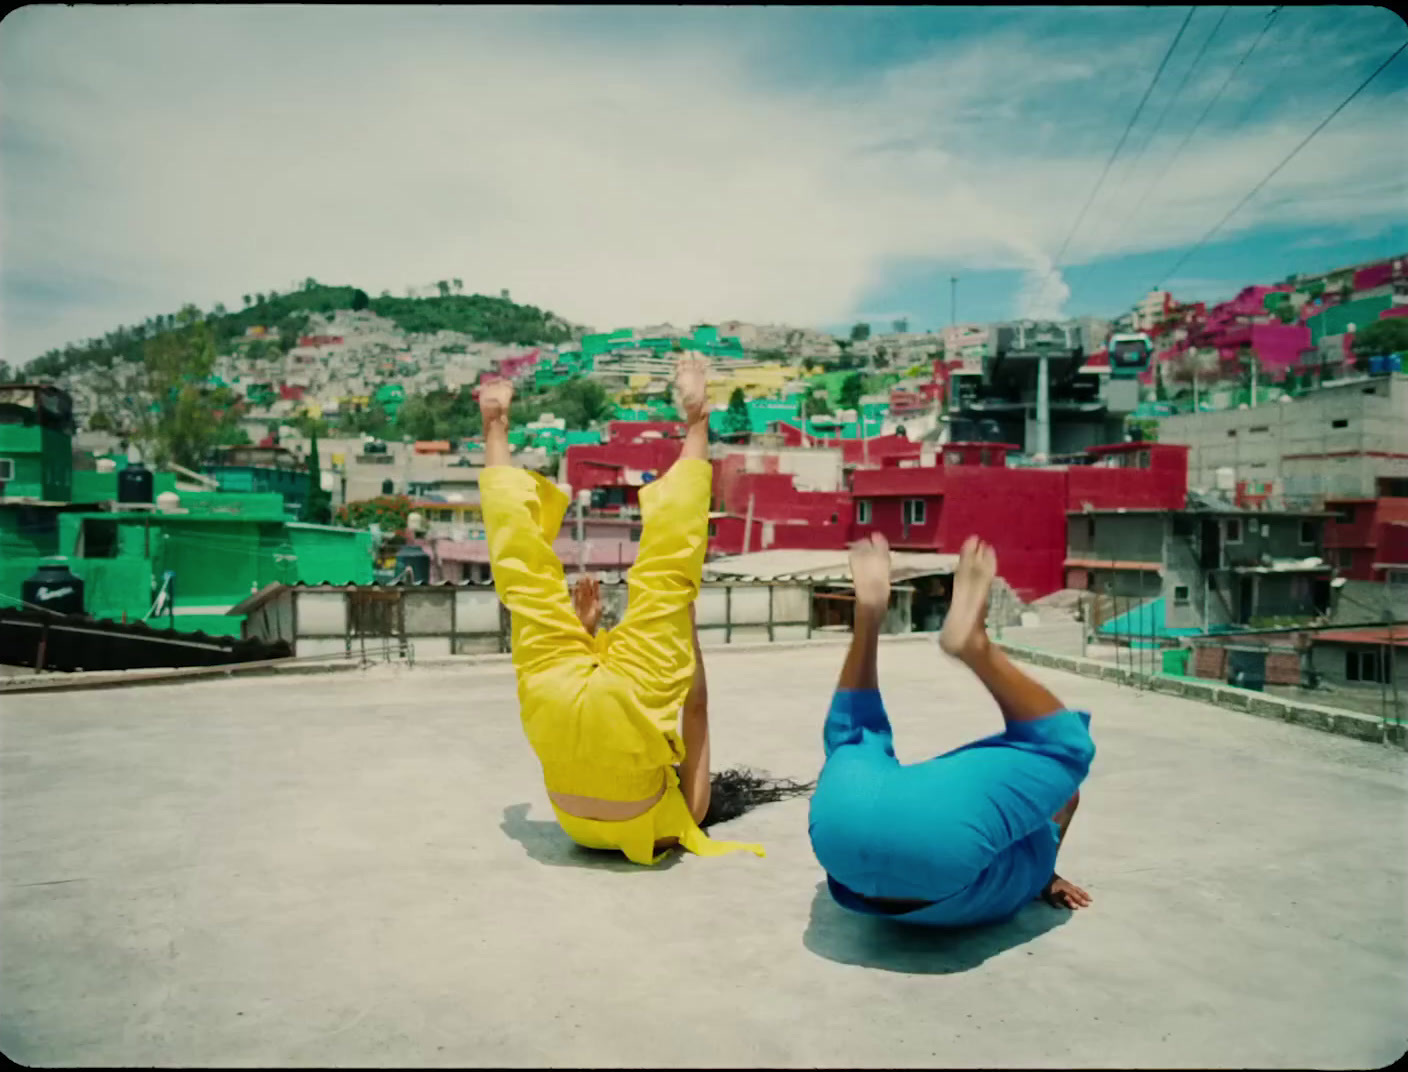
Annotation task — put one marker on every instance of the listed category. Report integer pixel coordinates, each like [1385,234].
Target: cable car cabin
[1129,356]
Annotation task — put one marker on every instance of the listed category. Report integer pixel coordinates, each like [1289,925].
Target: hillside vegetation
[286,317]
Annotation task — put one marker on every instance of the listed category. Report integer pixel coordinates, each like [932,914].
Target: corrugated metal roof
[819,565]
[1397,637]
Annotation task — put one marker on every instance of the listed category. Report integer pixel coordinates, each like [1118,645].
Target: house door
[1245,594]
[1211,544]
[1246,669]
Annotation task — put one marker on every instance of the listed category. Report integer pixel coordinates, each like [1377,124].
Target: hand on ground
[870,573]
[1062,894]
[692,388]
[494,399]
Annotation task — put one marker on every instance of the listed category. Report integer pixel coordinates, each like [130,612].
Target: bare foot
[494,399]
[965,628]
[870,573]
[692,388]
[586,601]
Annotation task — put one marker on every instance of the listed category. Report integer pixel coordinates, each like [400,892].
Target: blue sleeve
[853,713]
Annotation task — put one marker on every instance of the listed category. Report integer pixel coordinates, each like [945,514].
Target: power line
[1167,168]
[1158,125]
[1286,160]
[1055,263]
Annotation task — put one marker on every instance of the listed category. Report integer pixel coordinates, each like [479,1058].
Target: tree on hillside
[736,420]
[459,286]
[901,326]
[247,301]
[165,404]
[1379,339]
[444,288]
[391,512]
[581,403]
[6,374]
[309,283]
[852,387]
[860,332]
[317,504]
[360,300]
[259,299]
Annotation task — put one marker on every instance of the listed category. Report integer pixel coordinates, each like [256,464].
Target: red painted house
[1366,533]
[1020,511]
[874,451]
[640,431]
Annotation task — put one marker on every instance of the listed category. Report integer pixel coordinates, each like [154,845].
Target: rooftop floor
[362,869]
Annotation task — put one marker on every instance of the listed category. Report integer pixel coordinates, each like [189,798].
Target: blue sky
[628,166]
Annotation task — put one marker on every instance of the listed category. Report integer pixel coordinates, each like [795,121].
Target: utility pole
[748,525]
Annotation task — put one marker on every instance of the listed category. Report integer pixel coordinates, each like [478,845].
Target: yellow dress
[602,713]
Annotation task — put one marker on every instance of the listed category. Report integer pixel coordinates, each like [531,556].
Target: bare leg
[692,400]
[964,636]
[1020,697]
[694,771]
[494,399]
[870,573]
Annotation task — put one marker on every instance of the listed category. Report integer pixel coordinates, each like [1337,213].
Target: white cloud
[154,155]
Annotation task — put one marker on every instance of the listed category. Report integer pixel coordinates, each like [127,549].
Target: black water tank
[53,587]
[417,561]
[134,484]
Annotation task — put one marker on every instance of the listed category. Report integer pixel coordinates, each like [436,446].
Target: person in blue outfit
[965,838]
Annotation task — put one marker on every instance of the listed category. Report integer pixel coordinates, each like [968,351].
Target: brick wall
[1210,663]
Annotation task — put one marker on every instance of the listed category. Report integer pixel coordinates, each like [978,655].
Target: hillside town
[1162,485]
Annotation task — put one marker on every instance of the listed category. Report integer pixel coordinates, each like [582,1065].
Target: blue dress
[970,832]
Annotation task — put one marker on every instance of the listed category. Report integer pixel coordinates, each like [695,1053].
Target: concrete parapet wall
[1313,716]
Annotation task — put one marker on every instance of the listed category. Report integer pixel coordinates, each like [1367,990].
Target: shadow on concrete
[545,842]
[876,942]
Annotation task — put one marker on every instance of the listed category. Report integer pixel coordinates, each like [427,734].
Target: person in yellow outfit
[602,710]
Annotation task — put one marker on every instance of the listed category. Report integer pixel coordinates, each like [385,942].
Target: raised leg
[522,515]
[1021,698]
[964,636]
[652,644]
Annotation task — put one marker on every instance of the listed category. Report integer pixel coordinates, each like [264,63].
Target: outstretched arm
[1058,892]
[694,771]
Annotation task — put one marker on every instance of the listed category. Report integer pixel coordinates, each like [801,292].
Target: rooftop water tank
[135,484]
[54,587]
[417,561]
[106,465]
[168,502]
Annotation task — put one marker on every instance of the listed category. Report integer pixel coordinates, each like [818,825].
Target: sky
[639,165]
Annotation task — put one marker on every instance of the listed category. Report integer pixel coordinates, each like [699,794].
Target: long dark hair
[733,792]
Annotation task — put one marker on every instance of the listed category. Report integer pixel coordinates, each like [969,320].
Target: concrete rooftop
[361,870]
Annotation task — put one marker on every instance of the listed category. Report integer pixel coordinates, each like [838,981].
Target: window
[863,512]
[1307,533]
[1342,423]
[953,457]
[1259,428]
[1144,459]
[99,539]
[1364,664]
[1090,531]
[7,469]
[1180,595]
[1231,433]
[713,530]
[914,512]
[1234,531]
